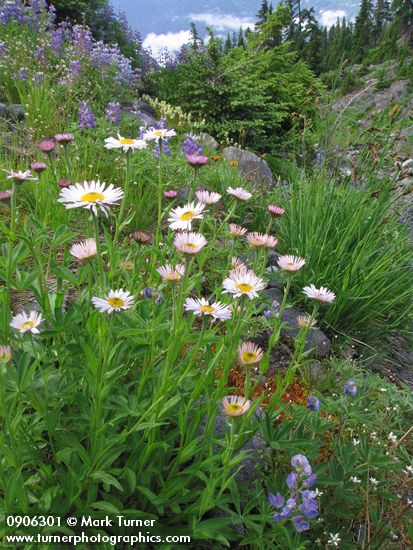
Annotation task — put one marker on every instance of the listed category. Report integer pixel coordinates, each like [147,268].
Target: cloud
[221,22]
[329,17]
[171,41]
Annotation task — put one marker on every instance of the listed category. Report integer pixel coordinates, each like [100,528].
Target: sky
[165,23]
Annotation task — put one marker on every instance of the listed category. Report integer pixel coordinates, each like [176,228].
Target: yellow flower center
[244,287]
[27,325]
[234,408]
[5,357]
[249,356]
[187,216]
[158,133]
[191,246]
[92,196]
[126,141]
[116,302]
[207,309]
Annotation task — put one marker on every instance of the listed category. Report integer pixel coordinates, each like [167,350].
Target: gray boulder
[145,119]
[144,107]
[252,167]
[209,142]
[256,448]
[11,111]
[316,339]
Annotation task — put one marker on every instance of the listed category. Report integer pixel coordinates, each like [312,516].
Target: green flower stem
[52,168]
[12,237]
[124,200]
[99,252]
[194,184]
[216,235]
[67,159]
[98,391]
[160,195]
[296,359]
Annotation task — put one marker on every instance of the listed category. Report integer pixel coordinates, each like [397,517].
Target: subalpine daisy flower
[5,353]
[196,161]
[182,216]
[235,405]
[64,182]
[125,144]
[91,195]
[84,249]
[19,176]
[64,139]
[157,134]
[38,167]
[171,274]
[5,195]
[27,322]
[261,240]
[202,306]
[237,230]
[47,145]
[189,243]
[249,353]
[207,197]
[321,294]
[304,320]
[140,236]
[275,210]
[239,193]
[170,194]
[243,282]
[290,263]
[236,263]
[116,300]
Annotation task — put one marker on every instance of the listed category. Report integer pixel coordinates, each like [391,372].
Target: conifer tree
[263,13]
[196,41]
[227,44]
[363,31]
[403,18]
[241,40]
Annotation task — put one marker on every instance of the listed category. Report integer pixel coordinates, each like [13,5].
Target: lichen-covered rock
[253,168]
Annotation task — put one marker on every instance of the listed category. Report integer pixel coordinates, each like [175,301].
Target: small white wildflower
[334,539]
[393,438]
[355,479]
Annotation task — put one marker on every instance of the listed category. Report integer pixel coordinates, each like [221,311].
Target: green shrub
[252,95]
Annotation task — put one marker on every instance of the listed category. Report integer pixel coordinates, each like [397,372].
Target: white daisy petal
[90,195]
[27,322]
[125,144]
[321,294]
[182,216]
[84,249]
[116,300]
[189,243]
[201,306]
[243,282]
[239,193]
